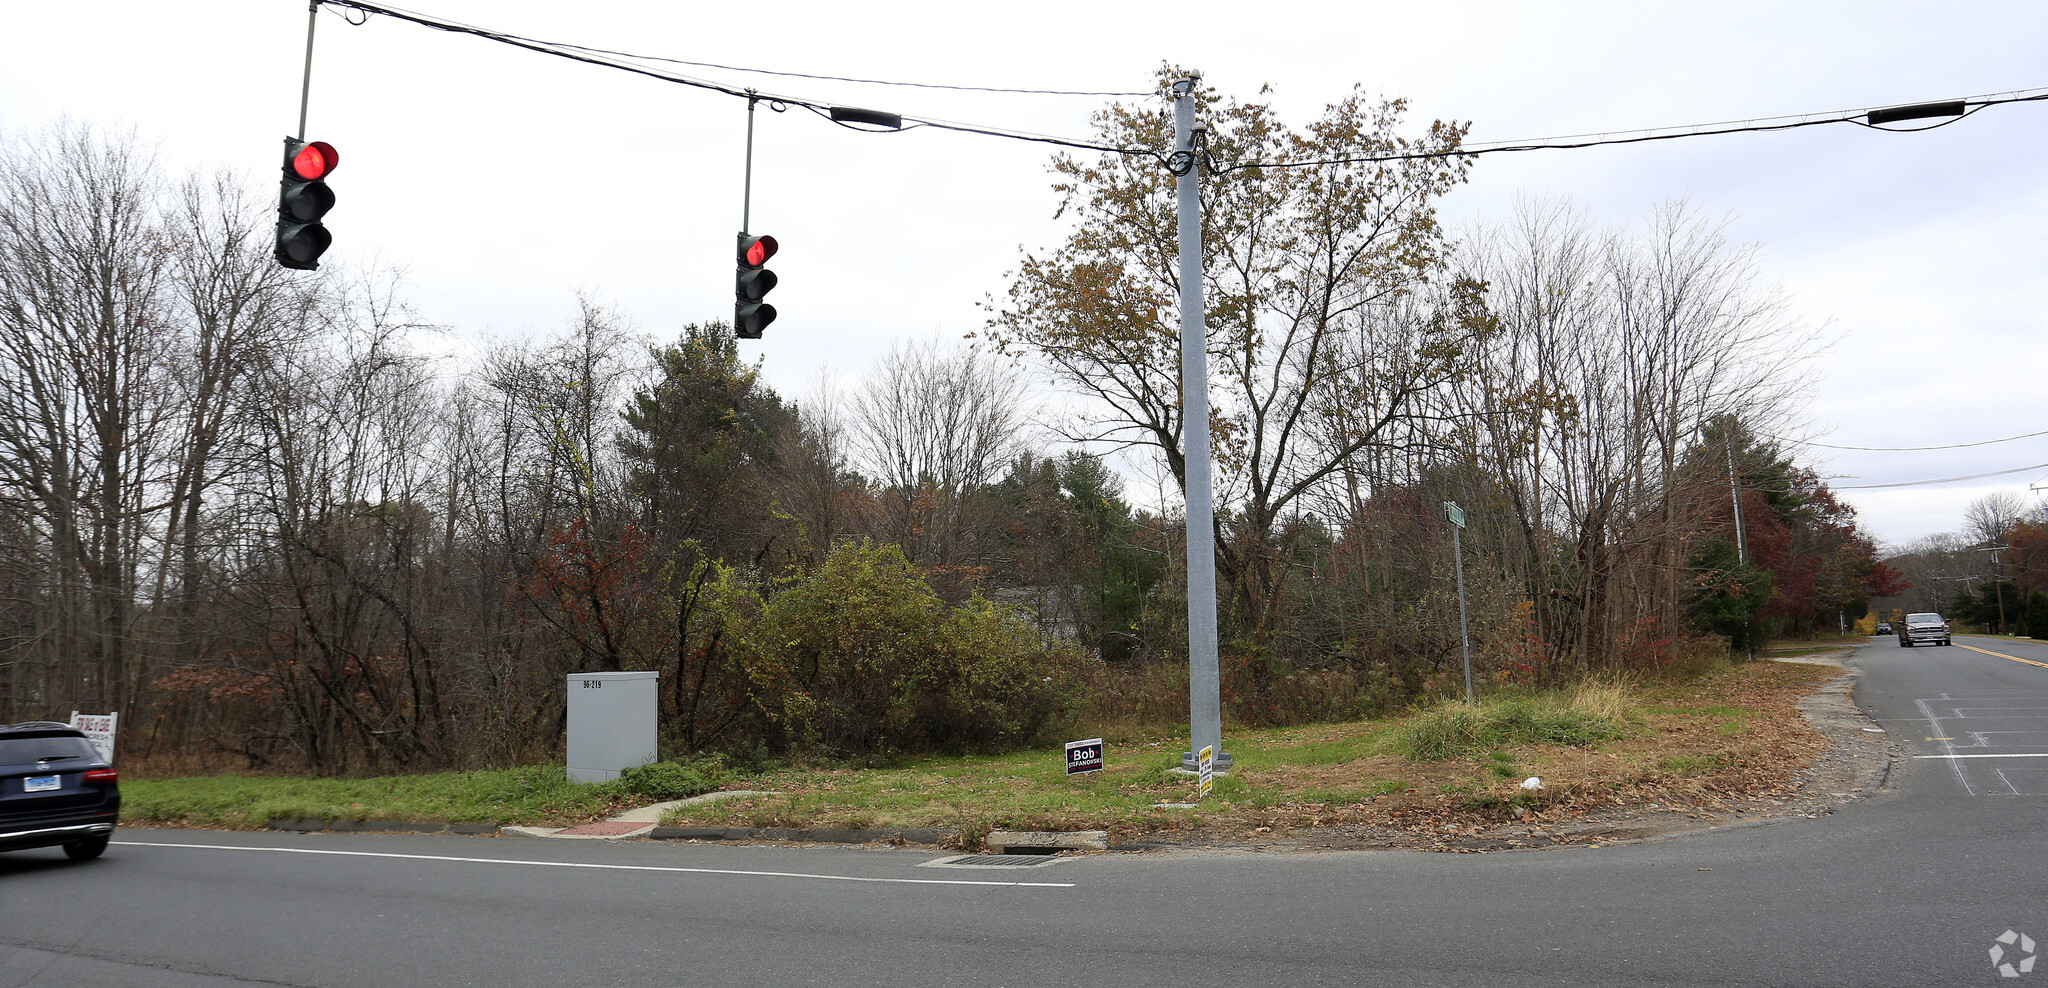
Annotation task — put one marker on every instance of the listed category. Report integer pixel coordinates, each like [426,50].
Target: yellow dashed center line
[2002,655]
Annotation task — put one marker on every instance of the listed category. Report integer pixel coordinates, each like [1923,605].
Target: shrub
[1586,715]
[1446,732]
[860,656]
[1012,683]
[666,780]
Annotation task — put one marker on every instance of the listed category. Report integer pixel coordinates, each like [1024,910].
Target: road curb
[1002,841]
[930,836]
[308,826]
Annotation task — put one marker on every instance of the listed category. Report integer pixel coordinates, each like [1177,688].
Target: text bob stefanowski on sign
[1084,756]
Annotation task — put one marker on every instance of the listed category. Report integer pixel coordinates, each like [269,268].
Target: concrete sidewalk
[644,822]
[632,823]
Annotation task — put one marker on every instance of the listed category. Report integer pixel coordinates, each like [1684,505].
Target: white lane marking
[1947,745]
[2008,782]
[600,867]
[2028,754]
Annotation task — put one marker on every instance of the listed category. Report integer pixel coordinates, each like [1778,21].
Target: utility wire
[567,46]
[1905,449]
[543,47]
[1943,480]
[1756,125]
[622,61]
[593,56]
[842,78]
[1752,126]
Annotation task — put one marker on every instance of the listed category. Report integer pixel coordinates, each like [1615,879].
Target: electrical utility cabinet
[611,723]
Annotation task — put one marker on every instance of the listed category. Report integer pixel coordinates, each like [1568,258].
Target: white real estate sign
[99,729]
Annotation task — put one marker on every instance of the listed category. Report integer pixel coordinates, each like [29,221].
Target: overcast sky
[504,182]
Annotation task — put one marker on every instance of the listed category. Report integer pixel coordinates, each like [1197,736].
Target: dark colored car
[1884,627]
[55,790]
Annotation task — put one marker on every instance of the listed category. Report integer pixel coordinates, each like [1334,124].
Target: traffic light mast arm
[747,186]
[306,84]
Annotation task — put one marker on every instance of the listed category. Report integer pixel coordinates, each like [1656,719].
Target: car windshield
[29,751]
[1923,619]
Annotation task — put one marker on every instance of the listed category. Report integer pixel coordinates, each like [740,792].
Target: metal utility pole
[1997,585]
[1205,687]
[1457,518]
[1741,546]
[1735,495]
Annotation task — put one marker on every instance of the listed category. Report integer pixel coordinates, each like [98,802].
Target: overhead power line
[1906,449]
[865,82]
[1871,117]
[1943,480]
[600,57]
[419,18]
[1876,118]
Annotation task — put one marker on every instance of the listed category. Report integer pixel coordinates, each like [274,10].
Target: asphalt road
[1911,887]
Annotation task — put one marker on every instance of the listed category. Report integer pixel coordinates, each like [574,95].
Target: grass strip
[1731,733]
[537,795]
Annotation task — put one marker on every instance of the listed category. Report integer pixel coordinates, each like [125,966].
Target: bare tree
[339,593]
[814,476]
[83,356]
[238,311]
[1990,518]
[1939,566]
[934,425]
[566,396]
[1614,352]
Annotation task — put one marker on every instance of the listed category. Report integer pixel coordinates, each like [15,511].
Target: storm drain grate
[994,861]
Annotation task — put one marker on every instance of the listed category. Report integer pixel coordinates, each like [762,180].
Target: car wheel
[87,849]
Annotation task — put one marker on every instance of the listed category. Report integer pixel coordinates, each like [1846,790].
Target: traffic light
[302,199]
[751,283]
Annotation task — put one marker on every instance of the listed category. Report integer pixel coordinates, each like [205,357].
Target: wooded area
[242,506]
[1992,574]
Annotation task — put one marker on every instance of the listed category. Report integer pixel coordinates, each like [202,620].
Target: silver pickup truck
[1922,629]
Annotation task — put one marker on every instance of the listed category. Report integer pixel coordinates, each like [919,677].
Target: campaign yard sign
[1084,756]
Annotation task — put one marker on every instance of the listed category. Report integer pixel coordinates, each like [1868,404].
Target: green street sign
[1454,513]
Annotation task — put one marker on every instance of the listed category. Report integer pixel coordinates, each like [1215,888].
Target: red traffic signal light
[315,160]
[302,199]
[752,283]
